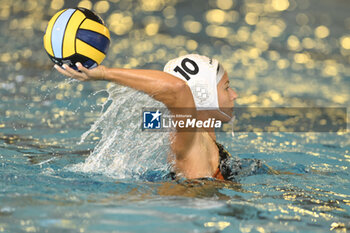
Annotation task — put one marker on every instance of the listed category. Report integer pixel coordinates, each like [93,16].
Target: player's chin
[228,114]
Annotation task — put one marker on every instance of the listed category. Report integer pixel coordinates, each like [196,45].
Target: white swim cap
[202,75]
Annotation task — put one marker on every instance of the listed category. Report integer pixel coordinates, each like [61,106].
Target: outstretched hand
[97,73]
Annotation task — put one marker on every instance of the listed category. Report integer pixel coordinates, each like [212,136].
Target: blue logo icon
[151,120]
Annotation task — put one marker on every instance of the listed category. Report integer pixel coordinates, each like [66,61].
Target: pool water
[73,157]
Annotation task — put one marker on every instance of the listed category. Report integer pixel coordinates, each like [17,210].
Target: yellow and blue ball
[76,35]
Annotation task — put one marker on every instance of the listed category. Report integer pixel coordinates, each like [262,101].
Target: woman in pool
[192,85]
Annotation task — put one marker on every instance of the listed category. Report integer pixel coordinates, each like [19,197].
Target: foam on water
[124,151]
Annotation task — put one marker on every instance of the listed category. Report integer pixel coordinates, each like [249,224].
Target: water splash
[124,151]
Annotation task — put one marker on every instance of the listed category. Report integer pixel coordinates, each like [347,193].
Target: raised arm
[164,87]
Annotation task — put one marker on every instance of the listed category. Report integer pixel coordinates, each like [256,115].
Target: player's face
[226,95]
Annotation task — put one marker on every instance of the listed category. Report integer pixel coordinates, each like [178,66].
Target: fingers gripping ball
[76,35]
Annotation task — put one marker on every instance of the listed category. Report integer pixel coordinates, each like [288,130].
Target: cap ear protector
[202,75]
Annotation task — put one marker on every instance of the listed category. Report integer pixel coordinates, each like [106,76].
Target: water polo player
[197,155]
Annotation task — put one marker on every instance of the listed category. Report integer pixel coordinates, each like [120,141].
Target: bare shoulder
[200,159]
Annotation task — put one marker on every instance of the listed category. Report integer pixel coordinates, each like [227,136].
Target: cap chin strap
[226,115]
[231,121]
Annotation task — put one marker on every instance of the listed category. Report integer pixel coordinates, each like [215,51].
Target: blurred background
[277,52]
